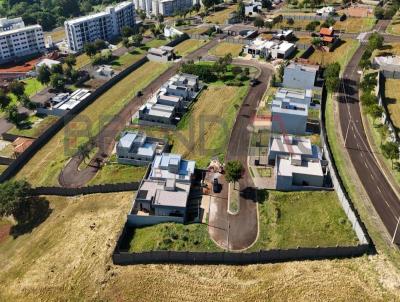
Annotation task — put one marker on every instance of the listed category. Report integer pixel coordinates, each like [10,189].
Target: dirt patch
[4,232]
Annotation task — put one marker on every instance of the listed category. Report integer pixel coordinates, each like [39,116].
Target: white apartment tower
[18,40]
[164,7]
[105,25]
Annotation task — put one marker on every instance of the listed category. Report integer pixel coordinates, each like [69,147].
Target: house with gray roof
[136,148]
[301,76]
[288,117]
[299,96]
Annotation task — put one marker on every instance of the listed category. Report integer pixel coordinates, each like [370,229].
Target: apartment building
[18,40]
[164,7]
[104,25]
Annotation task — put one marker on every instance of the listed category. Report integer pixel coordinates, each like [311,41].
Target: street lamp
[395,230]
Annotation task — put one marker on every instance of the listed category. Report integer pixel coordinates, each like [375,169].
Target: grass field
[392,100]
[45,166]
[394,26]
[116,173]
[304,219]
[82,60]
[127,59]
[32,86]
[188,46]
[341,54]
[388,49]
[220,17]
[224,48]
[68,258]
[204,131]
[197,30]
[37,127]
[172,237]
[355,25]
[56,35]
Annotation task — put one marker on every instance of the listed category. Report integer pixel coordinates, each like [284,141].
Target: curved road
[379,190]
[238,232]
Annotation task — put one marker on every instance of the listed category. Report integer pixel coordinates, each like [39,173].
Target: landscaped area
[33,126]
[305,219]
[44,167]
[172,237]
[224,48]
[188,46]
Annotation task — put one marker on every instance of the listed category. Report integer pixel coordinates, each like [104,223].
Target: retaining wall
[64,120]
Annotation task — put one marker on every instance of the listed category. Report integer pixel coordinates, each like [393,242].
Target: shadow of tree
[36,210]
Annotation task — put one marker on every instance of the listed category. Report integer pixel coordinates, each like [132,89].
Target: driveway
[240,231]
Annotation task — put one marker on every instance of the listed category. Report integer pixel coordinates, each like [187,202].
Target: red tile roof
[326,31]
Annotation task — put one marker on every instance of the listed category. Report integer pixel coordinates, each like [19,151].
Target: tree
[375,41]
[126,43]
[17,88]
[13,114]
[233,170]
[241,10]
[100,44]
[90,49]
[137,39]
[5,100]
[375,111]
[207,4]
[266,4]
[331,75]
[83,151]
[236,70]
[56,68]
[196,7]
[57,81]
[126,31]
[160,18]
[383,132]
[368,99]
[13,197]
[379,12]
[316,41]
[290,21]
[44,74]
[70,60]
[258,22]
[142,15]
[390,150]
[86,7]
[268,25]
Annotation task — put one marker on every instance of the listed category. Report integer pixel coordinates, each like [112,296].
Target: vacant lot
[204,131]
[219,17]
[225,48]
[355,25]
[172,237]
[392,99]
[304,219]
[394,26]
[45,166]
[127,59]
[68,258]
[56,35]
[341,54]
[35,127]
[188,46]
[389,49]
[116,173]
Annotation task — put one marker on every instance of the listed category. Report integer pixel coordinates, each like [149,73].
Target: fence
[238,40]
[5,160]
[64,120]
[107,188]
[309,17]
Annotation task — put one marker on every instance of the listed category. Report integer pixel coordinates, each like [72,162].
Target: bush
[234,83]
[312,25]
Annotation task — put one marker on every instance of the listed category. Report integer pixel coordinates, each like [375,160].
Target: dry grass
[388,50]
[224,48]
[197,30]
[205,132]
[188,46]
[220,17]
[392,99]
[82,60]
[355,25]
[56,35]
[394,26]
[64,259]
[44,167]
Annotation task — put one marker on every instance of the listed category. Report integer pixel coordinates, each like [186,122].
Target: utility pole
[395,231]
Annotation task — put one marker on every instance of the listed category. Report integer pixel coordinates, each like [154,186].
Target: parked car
[139,93]
[216,186]
[254,82]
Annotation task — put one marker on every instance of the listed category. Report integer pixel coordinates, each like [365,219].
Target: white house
[270,49]
[288,117]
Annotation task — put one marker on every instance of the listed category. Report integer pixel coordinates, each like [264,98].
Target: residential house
[47,62]
[300,76]
[270,49]
[299,96]
[136,148]
[161,54]
[288,117]
[326,11]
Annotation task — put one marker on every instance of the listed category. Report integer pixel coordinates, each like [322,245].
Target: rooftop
[291,145]
[292,93]
[22,29]
[288,167]
[170,165]
[303,67]
[326,31]
[289,107]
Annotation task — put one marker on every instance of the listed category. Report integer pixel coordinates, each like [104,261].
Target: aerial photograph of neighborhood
[199,150]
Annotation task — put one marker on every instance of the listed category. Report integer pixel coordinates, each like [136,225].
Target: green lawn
[116,173]
[44,167]
[172,237]
[304,219]
[35,127]
[188,46]
[32,86]
[127,59]
[394,26]
[224,48]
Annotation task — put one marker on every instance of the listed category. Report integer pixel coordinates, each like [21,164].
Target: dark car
[139,93]
[216,186]
[254,82]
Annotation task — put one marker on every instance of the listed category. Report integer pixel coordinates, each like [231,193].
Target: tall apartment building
[164,7]
[18,40]
[104,25]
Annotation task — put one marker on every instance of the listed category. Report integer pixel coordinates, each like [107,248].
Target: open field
[196,30]
[394,26]
[68,257]
[392,100]
[127,59]
[56,35]
[224,48]
[221,16]
[315,214]
[172,237]
[45,166]
[188,46]
[388,49]
[355,25]
[341,54]
[36,128]
[116,173]
[204,131]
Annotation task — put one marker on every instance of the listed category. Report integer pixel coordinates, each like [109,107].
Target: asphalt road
[240,231]
[380,192]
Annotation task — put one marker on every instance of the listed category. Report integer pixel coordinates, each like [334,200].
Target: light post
[395,230]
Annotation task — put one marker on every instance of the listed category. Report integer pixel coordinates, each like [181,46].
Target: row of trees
[375,41]
[331,77]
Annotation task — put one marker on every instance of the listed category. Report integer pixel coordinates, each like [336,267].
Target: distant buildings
[63,102]
[104,25]
[161,54]
[170,102]
[135,148]
[164,7]
[164,194]
[326,11]
[270,49]
[47,62]
[300,76]
[288,117]
[18,41]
